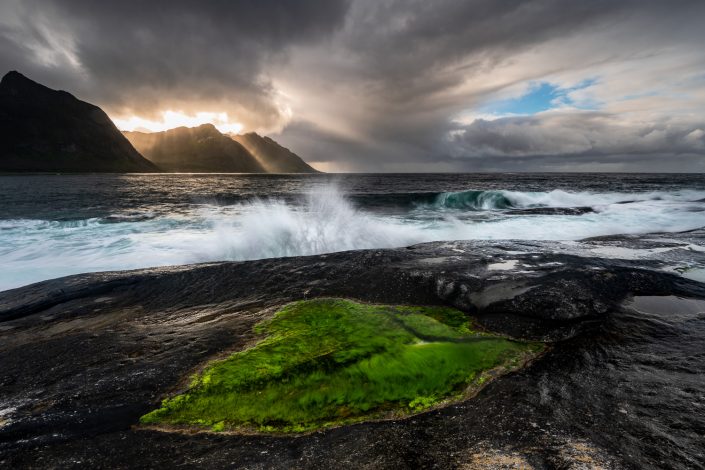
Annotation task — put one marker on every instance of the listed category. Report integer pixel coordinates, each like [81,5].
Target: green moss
[219,426]
[330,361]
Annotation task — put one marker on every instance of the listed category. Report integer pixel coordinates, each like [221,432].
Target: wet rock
[551,211]
[83,357]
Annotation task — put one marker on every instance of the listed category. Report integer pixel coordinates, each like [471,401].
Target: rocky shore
[623,385]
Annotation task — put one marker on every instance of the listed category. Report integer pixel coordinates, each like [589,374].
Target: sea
[57,225]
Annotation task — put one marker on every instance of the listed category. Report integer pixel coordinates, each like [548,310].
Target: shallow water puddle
[628,253]
[503,265]
[667,305]
[695,274]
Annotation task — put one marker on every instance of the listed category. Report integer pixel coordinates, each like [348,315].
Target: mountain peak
[13,75]
[203,130]
[15,85]
[42,129]
[207,128]
[200,129]
[200,149]
[14,79]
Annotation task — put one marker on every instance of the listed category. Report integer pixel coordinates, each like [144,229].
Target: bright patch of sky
[171,119]
[543,96]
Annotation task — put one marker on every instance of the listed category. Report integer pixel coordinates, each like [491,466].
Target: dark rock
[83,357]
[552,211]
[44,130]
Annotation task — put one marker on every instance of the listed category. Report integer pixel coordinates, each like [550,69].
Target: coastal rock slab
[84,357]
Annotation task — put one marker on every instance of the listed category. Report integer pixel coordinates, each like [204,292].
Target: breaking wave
[499,199]
[326,221]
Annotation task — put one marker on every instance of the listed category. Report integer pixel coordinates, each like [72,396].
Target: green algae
[328,362]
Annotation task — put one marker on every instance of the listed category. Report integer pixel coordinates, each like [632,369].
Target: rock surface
[83,357]
[45,130]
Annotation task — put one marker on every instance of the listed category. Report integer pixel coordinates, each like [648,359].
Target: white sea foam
[324,221]
[501,199]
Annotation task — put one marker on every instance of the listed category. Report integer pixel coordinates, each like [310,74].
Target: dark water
[54,225]
[59,197]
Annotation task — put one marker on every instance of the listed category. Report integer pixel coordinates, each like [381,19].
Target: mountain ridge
[47,130]
[201,149]
[274,157]
[205,149]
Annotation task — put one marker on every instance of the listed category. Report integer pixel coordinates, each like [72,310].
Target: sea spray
[322,221]
[326,221]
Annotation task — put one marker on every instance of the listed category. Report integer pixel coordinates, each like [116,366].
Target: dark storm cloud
[582,133]
[140,55]
[578,138]
[409,69]
[406,58]
[403,45]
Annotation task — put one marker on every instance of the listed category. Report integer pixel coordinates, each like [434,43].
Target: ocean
[56,225]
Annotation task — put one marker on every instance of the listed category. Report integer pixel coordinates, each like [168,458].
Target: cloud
[572,134]
[404,76]
[148,57]
[391,85]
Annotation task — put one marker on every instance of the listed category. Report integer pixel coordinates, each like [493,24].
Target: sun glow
[171,119]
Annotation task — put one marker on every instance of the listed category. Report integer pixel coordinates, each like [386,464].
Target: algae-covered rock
[327,362]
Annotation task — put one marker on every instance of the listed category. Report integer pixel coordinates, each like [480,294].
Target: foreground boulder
[84,357]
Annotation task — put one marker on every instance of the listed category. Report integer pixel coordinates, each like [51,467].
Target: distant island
[45,130]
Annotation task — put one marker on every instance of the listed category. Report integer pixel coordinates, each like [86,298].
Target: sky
[389,85]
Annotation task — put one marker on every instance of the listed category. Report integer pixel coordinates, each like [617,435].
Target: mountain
[272,156]
[204,149]
[48,130]
[201,149]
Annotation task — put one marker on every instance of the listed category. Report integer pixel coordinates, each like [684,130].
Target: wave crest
[325,222]
[501,199]
[474,200]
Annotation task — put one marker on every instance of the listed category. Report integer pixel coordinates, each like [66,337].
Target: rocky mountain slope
[205,149]
[201,149]
[272,156]
[47,130]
